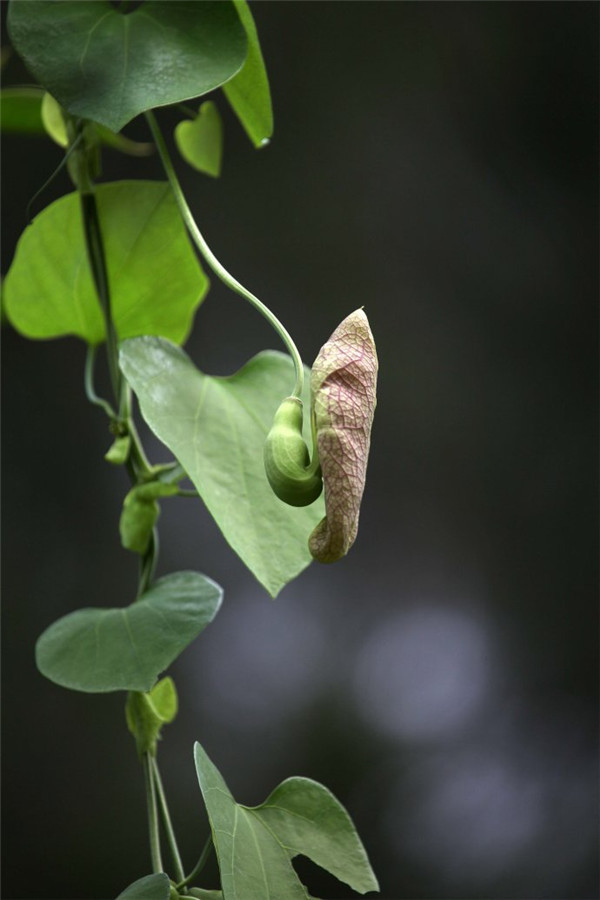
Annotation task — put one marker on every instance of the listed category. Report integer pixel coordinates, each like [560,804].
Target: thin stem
[155,855]
[177,864]
[214,263]
[199,865]
[97,260]
[148,564]
[90,393]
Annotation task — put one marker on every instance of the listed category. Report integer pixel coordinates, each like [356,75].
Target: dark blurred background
[436,162]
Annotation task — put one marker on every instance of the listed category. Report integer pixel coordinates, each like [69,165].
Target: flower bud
[343,383]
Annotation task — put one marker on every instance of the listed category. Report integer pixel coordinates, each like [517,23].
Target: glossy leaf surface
[107,66]
[155,280]
[249,92]
[100,650]
[255,845]
[216,427]
[151,887]
[200,140]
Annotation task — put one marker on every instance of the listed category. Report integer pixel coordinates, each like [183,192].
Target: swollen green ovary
[287,462]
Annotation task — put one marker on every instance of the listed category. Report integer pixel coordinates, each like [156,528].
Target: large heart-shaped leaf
[107,66]
[249,92]
[216,427]
[255,845]
[151,887]
[100,650]
[155,280]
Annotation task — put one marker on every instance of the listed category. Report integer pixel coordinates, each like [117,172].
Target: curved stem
[214,263]
[155,855]
[90,393]
[177,864]
[199,865]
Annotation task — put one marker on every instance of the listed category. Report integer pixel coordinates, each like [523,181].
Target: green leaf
[249,92]
[21,110]
[151,887]
[106,66]
[118,452]
[155,280]
[255,845]
[146,713]
[140,513]
[100,650]
[200,140]
[202,894]
[216,428]
[54,120]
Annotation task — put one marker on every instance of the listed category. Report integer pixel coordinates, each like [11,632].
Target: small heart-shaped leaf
[100,650]
[200,140]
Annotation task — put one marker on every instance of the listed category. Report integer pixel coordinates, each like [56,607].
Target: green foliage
[249,92]
[108,67]
[151,887]
[216,428]
[155,280]
[54,120]
[146,713]
[99,66]
[140,513]
[200,140]
[21,110]
[100,650]
[255,845]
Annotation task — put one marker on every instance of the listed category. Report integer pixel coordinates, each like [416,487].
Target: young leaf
[151,887]
[216,427]
[140,513]
[100,650]
[200,140]
[255,845]
[106,66]
[155,280]
[248,93]
[146,713]
[54,120]
[20,110]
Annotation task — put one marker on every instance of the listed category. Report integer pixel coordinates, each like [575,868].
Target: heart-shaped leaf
[107,66]
[151,887]
[100,650]
[200,140]
[249,92]
[255,845]
[155,280]
[216,427]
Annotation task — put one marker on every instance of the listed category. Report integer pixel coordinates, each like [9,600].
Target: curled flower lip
[343,394]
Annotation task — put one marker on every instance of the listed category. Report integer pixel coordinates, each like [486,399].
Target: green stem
[177,864]
[199,865]
[214,263]
[95,250]
[148,564]
[155,856]
[90,393]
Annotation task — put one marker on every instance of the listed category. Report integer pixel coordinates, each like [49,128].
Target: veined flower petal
[343,383]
